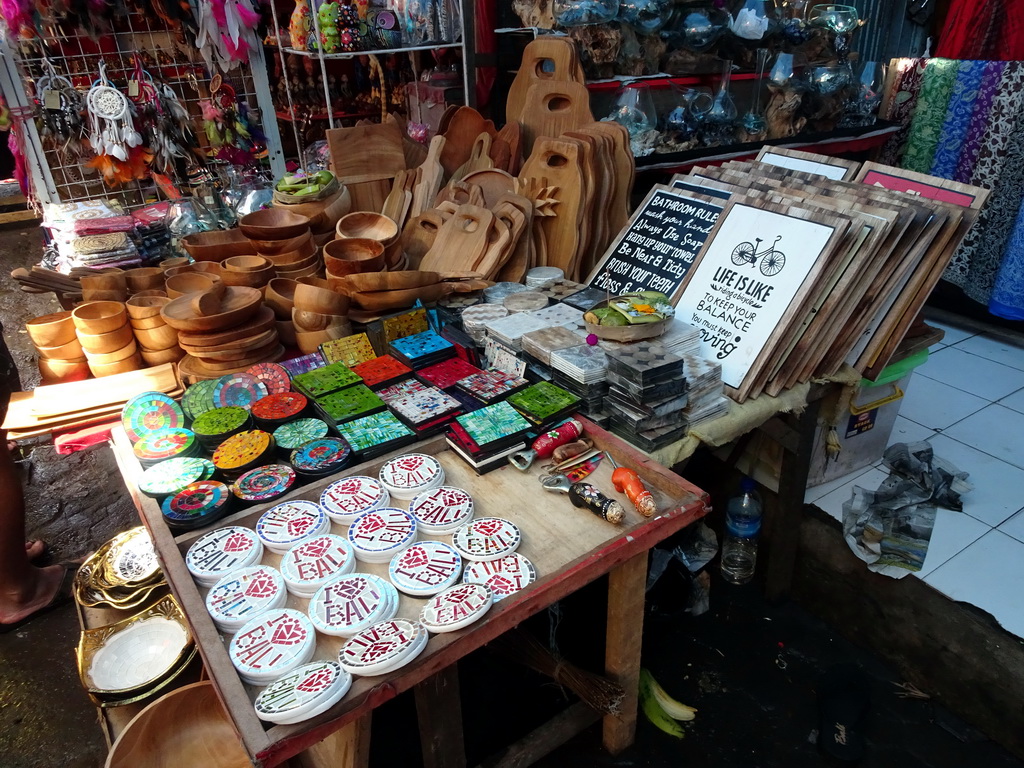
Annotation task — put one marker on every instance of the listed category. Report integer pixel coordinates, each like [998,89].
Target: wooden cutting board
[466,124]
[512,134]
[598,193]
[72,396]
[479,158]
[512,211]
[588,165]
[460,193]
[546,59]
[493,184]
[625,170]
[419,235]
[430,179]
[366,153]
[499,240]
[558,162]
[462,241]
[370,195]
[554,108]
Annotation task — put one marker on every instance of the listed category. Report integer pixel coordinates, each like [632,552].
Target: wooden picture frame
[913,183]
[835,168]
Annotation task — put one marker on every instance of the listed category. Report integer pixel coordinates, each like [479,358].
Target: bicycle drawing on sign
[772,259]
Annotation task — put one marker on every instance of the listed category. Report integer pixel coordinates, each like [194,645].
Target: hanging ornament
[61,111]
[111,129]
[227,32]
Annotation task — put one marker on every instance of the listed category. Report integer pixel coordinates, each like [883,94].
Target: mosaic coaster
[466,400]
[264,483]
[299,432]
[240,451]
[382,371]
[542,343]
[379,431]
[442,510]
[243,595]
[349,604]
[494,425]
[420,408]
[309,691]
[304,364]
[220,422]
[283,526]
[406,476]
[487,538]
[312,563]
[378,534]
[446,374]
[406,324]
[525,301]
[150,412]
[222,551]
[456,607]
[198,399]
[196,505]
[279,407]
[645,363]
[585,299]
[323,456]
[274,377]
[584,363]
[428,345]
[169,477]
[509,330]
[542,402]
[346,499]
[350,403]
[350,350]
[239,390]
[401,389]
[492,385]
[559,290]
[504,576]
[460,300]
[425,568]
[272,645]
[558,315]
[497,293]
[383,647]
[321,381]
[165,444]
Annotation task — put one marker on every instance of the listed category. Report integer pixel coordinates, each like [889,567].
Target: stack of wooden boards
[802,272]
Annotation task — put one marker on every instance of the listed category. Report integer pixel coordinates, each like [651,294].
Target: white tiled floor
[968,400]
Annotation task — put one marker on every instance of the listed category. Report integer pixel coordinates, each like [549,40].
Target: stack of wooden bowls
[350,256]
[105,285]
[217,245]
[157,341]
[60,355]
[190,282]
[319,314]
[224,330]
[323,213]
[247,271]
[107,339]
[373,226]
[284,239]
[280,297]
[144,279]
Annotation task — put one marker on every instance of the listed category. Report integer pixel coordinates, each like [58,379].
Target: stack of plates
[524,301]
[198,399]
[274,377]
[319,458]
[218,424]
[272,645]
[149,412]
[244,451]
[509,330]
[221,552]
[456,607]
[498,292]
[583,364]
[347,499]
[306,692]
[309,565]
[196,505]
[505,576]
[243,595]
[272,411]
[487,538]
[475,319]
[283,526]
[169,477]
[539,276]
[425,568]
[264,483]
[238,390]
[163,444]
[442,510]
[422,349]
[349,604]
[379,534]
[299,432]
[122,573]
[405,477]
[383,647]
[540,344]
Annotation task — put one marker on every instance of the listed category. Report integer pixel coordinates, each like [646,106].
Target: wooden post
[626,587]
[439,713]
[346,748]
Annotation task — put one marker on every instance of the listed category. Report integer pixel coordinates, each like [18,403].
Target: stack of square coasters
[583,370]
[486,438]
[421,349]
[509,330]
[707,400]
[349,404]
[350,350]
[446,374]
[427,411]
[323,381]
[544,404]
[648,394]
[376,435]
[491,386]
[383,371]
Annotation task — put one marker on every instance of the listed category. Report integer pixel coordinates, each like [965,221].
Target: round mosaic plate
[239,390]
[284,525]
[310,690]
[310,564]
[222,551]
[274,377]
[150,412]
[241,450]
[198,399]
[264,483]
[299,432]
[245,594]
[405,476]
[197,504]
[165,444]
[350,497]
[505,576]
[456,608]
[169,477]
[487,538]
[442,509]
[349,604]
[220,421]
[280,406]
[271,645]
[328,454]
[383,647]
[425,568]
[378,534]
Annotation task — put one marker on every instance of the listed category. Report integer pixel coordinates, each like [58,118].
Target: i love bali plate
[312,563]
[196,505]
[264,483]
[406,476]
[243,595]
[239,390]
[442,510]
[504,576]
[309,691]
[283,526]
[425,568]
[349,604]
[348,498]
[222,551]
[149,412]
[271,645]
[383,647]
[487,538]
[456,608]
[380,533]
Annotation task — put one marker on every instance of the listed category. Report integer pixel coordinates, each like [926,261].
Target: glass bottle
[720,121]
[634,109]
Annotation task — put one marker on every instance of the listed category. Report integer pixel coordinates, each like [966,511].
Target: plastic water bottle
[742,527]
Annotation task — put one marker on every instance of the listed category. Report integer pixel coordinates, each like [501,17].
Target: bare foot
[35,549]
[43,586]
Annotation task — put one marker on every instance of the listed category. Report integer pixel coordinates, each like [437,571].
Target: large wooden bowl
[105,281]
[286,332]
[391,281]
[237,306]
[273,224]
[98,294]
[51,330]
[160,356]
[152,292]
[382,301]
[103,358]
[217,245]
[352,255]
[132,363]
[310,341]
[280,296]
[100,343]
[59,371]
[319,282]
[313,270]
[100,316]
[144,278]
[154,339]
[274,247]
[142,307]
[311,298]
[302,252]
[255,279]
[323,214]
[374,226]
[72,350]
[190,282]
[175,261]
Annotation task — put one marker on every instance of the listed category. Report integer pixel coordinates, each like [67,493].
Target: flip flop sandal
[62,596]
[843,700]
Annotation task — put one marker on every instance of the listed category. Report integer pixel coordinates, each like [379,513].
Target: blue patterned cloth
[1008,293]
[958,118]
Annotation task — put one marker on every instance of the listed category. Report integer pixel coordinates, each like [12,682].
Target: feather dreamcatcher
[227,32]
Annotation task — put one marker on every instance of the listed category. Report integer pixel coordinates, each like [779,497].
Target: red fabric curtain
[983,29]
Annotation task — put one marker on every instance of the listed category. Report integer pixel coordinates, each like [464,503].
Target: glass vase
[720,122]
[634,109]
[579,13]
[753,20]
[645,16]
[753,122]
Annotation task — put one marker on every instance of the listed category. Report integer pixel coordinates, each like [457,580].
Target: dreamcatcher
[120,156]
[162,119]
[231,127]
[61,111]
[227,32]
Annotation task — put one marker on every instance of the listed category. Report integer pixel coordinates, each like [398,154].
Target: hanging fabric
[926,125]
[979,121]
[958,118]
[900,102]
[1008,293]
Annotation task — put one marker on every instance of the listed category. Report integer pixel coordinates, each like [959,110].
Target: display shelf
[376,51]
[321,116]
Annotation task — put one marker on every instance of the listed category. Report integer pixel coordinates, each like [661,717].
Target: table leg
[439,713]
[346,748]
[624,635]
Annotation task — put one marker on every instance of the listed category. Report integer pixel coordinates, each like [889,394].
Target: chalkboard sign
[659,244]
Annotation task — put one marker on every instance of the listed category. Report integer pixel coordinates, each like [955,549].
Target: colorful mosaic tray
[328,454]
[198,399]
[491,386]
[421,346]
[304,364]
[374,431]
[381,371]
[447,373]
[542,401]
[220,421]
[264,483]
[280,407]
[494,424]
[350,350]
[419,408]
[466,400]
[274,377]
[149,412]
[401,389]
[330,378]
[241,450]
[238,390]
[351,403]
[296,433]
[165,444]
[169,477]
[405,324]
[196,505]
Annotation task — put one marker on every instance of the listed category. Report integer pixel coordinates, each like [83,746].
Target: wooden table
[569,547]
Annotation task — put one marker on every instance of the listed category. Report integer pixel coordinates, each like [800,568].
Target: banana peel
[662,710]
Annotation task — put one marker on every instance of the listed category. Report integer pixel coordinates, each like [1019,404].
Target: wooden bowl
[301,252]
[374,226]
[317,282]
[391,281]
[237,306]
[102,358]
[153,292]
[312,260]
[51,330]
[352,255]
[280,296]
[273,224]
[324,239]
[256,279]
[141,307]
[100,316]
[71,350]
[286,332]
[323,214]
[382,301]
[316,269]
[311,298]
[304,320]
[172,263]
[160,356]
[155,339]
[310,341]
[97,294]
[216,245]
[245,264]
[59,371]
[146,323]
[99,343]
[144,278]
[190,282]
[274,247]
[105,281]
[132,363]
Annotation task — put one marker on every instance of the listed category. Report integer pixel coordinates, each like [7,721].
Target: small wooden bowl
[286,332]
[293,255]
[132,363]
[274,247]
[59,371]
[161,356]
[311,298]
[100,343]
[102,358]
[312,260]
[352,255]
[304,320]
[144,278]
[155,339]
[373,226]
[317,282]
[152,293]
[216,245]
[310,341]
[141,307]
[280,296]
[256,279]
[146,323]
[100,316]
[96,294]
[273,224]
[325,238]
[71,350]
[190,282]
[172,263]
[316,269]
[51,330]
[105,281]
[245,264]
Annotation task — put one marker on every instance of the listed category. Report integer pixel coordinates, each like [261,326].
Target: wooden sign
[932,187]
[835,168]
[659,244]
[685,184]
